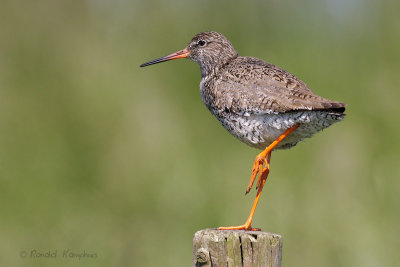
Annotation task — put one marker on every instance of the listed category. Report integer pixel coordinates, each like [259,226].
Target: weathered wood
[217,248]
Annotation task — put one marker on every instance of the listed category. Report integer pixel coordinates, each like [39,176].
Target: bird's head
[209,49]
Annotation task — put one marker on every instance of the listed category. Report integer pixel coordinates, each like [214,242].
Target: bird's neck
[208,71]
[214,65]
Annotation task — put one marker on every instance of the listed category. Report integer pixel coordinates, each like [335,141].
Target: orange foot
[263,157]
[240,227]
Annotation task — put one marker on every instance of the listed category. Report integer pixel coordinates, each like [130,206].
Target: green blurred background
[99,155]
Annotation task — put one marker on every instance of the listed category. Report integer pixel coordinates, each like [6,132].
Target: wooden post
[217,248]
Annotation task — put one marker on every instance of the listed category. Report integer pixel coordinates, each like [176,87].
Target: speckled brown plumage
[255,100]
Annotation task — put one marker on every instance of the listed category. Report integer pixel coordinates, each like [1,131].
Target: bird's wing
[255,86]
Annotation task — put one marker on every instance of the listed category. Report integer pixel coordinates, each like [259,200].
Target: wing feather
[255,86]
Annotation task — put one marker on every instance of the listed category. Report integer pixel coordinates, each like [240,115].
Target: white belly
[261,130]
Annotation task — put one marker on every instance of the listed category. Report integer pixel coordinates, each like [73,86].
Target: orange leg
[263,157]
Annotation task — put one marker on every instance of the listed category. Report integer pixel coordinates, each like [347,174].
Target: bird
[259,103]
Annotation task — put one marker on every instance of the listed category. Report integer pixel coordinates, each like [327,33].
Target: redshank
[261,104]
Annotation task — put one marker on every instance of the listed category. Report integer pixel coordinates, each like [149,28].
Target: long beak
[180,54]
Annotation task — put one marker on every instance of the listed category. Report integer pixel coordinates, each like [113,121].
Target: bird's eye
[201,43]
